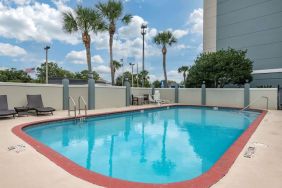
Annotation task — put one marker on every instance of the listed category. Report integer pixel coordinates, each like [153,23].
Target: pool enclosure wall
[114,96]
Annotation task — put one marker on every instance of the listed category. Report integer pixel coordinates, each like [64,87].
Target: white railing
[80,98]
[256,100]
[74,106]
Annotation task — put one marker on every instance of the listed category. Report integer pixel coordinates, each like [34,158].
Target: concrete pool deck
[28,168]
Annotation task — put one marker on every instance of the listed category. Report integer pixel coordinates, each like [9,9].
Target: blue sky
[26,26]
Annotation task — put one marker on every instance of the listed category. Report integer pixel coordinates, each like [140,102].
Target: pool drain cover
[250,152]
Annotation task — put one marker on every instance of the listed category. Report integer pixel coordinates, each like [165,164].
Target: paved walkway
[29,169]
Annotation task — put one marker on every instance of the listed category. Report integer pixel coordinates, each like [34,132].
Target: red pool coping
[213,175]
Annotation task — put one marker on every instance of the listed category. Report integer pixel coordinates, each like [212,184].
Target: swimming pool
[153,146]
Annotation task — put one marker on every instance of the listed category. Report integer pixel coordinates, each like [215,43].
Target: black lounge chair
[34,102]
[4,111]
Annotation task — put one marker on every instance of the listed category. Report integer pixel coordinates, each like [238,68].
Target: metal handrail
[85,105]
[267,99]
[74,106]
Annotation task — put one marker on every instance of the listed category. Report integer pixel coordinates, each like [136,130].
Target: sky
[27,26]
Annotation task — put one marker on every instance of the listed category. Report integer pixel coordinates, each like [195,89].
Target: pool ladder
[74,106]
[80,99]
[256,100]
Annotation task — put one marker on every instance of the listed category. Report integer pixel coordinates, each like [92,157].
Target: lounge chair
[157,98]
[146,98]
[151,100]
[34,102]
[4,111]
[134,100]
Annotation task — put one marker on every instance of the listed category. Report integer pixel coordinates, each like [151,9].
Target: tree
[157,84]
[165,39]
[144,76]
[53,71]
[84,20]
[184,70]
[220,68]
[112,11]
[13,75]
[116,66]
[83,75]
[119,79]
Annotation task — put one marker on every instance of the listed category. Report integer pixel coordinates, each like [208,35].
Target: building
[255,25]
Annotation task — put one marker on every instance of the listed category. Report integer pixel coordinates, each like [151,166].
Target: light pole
[143,33]
[137,76]
[121,60]
[131,64]
[46,63]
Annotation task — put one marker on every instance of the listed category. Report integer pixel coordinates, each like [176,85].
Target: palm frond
[127,19]
[69,22]
[112,11]
[164,38]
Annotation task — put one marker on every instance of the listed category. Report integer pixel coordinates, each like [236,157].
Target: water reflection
[111,155]
[143,159]
[91,143]
[157,146]
[164,166]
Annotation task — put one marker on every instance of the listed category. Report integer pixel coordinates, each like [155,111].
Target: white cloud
[102,69]
[153,77]
[34,22]
[196,21]
[79,57]
[174,75]
[97,59]
[133,29]
[18,2]
[180,33]
[3,68]
[171,75]
[11,51]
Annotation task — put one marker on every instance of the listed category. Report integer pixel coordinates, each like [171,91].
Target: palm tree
[184,70]
[116,66]
[84,20]
[165,39]
[112,11]
[144,77]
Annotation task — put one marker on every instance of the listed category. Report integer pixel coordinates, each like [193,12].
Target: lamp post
[46,63]
[143,33]
[131,64]
[137,76]
[121,61]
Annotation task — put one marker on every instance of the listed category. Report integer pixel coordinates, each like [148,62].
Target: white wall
[140,91]
[192,96]
[257,101]
[52,95]
[167,94]
[78,90]
[109,97]
[231,97]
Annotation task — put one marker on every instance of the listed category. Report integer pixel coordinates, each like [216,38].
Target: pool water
[152,146]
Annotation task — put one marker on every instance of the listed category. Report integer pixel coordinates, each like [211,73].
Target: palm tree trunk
[88,55]
[111,58]
[164,66]
[87,40]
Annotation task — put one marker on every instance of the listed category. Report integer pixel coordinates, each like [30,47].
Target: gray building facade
[255,25]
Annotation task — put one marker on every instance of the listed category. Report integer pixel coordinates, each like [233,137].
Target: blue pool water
[154,146]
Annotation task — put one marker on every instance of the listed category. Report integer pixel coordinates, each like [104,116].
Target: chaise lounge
[34,102]
[4,110]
